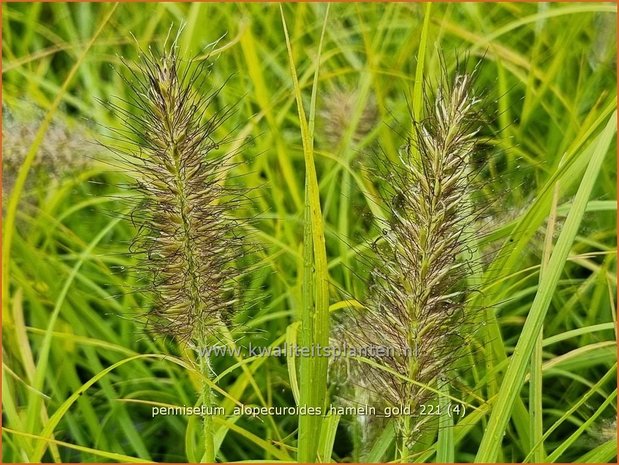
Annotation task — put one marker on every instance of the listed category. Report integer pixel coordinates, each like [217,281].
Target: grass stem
[208,432]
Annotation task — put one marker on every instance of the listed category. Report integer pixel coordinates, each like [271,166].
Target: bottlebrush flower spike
[418,288]
[186,230]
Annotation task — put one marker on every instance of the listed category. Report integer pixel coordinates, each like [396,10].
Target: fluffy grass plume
[338,111]
[186,232]
[65,149]
[418,286]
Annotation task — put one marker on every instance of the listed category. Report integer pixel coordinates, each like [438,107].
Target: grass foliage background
[549,71]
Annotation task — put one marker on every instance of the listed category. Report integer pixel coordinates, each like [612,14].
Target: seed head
[187,237]
[418,285]
[64,150]
[337,113]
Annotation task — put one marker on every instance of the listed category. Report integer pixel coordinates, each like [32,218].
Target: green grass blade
[11,211]
[315,320]
[516,371]
[419,69]
[100,453]
[421,56]
[595,389]
[292,332]
[382,444]
[62,410]
[445,447]
[604,453]
[34,405]
[266,445]
[536,380]
[327,438]
[581,429]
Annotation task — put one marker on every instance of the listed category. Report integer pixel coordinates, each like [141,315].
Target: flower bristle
[418,285]
[186,228]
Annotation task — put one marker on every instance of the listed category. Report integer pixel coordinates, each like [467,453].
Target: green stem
[405,450]
[403,438]
[208,432]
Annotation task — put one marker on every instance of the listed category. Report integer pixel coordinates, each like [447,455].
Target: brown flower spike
[186,230]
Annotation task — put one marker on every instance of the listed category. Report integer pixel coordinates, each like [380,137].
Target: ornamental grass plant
[483,254]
